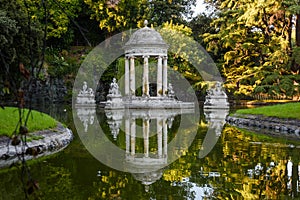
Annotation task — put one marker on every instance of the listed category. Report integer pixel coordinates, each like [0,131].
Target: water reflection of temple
[145,160]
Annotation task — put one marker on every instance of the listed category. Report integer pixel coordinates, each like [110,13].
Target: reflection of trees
[56,185]
[109,185]
[234,154]
[242,152]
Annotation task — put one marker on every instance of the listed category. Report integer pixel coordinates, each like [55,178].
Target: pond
[166,155]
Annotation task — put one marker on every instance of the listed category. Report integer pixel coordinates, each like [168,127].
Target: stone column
[146,77]
[132,136]
[159,76]
[127,83]
[132,77]
[165,137]
[159,137]
[127,133]
[165,75]
[146,137]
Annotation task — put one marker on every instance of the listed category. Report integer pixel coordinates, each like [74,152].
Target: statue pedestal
[85,100]
[216,102]
[86,96]
[114,101]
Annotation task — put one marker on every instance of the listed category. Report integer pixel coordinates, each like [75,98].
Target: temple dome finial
[146,23]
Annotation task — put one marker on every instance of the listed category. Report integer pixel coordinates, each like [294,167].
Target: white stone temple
[147,43]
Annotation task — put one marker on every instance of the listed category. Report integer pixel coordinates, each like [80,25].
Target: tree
[21,39]
[118,15]
[177,11]
[256,37]
[58,14]
[293,6]
[200,25]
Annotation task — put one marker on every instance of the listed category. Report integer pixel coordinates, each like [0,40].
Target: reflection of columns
[132,138]
[165,139]
[159,76]
[146,137]
[132,76]
[146,77]
[127,90]
[165,76]
[127,133]
[159,137]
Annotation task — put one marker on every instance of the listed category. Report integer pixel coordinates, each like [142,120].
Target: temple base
[156,102]
[216,102]
[146,103]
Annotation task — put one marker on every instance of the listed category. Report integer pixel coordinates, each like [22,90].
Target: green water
[75,174]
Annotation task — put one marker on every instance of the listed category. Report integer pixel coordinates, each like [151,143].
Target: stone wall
[51,142]
[52,90]
[273,125]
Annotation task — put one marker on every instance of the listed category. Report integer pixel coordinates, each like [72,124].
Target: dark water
[241,165]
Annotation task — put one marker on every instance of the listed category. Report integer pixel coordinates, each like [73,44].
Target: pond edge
[52,141]
[289,128]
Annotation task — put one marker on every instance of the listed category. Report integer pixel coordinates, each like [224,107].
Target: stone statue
[90,92]
[114,88]
[86,91]
[171,92]
[84,87]
[114,97]
[86,95]
[218,90]
[216,97]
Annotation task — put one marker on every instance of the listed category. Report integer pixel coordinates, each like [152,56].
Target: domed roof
[149,177]
[146,41]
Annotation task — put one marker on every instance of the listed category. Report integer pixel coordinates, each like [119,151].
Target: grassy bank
[288,110]
[9,118]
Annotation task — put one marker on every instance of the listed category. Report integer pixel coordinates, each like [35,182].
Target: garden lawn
[288,110]
[9,118]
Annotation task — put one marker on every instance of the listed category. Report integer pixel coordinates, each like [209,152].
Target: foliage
[187,57]
[118,15]
[58,13]
[254,38]
[9,118]
[200,25]
[57,66]
[181,53]
[8,30]
[21,39]
[64,64]
[177,11]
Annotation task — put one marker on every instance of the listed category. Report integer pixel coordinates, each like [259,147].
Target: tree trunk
[297,30]
[296,66]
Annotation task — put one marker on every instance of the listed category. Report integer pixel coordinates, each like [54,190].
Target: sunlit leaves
[184,52]
[58,13]
[255,35]
[120,16]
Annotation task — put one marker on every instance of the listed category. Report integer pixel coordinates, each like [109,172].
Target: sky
[200,7]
